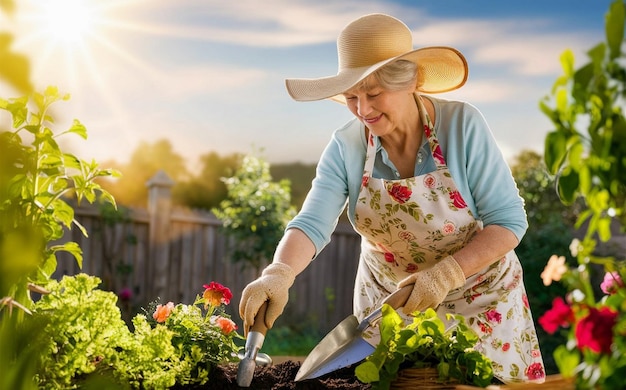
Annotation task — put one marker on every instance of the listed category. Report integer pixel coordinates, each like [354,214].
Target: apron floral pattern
[408,225]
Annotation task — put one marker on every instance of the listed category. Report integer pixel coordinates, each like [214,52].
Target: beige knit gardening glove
[432,285]
[272,286]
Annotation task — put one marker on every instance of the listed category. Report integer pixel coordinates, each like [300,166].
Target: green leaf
[367,372]
[567,185]
[555,151]
[566,360]
[567,62]
[73,248]
[78,128]
[614,28]
[63,212]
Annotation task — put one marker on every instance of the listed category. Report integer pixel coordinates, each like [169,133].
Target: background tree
[255,212]
[145,162]
[207,189]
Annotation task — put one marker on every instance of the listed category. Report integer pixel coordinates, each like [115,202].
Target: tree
[144,163]
[255,212]
[207,189]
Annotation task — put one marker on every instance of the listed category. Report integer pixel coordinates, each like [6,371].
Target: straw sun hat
[375,40]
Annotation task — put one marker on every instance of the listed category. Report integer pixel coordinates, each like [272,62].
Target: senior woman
[427,189]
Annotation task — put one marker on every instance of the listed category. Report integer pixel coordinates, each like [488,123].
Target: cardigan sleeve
[479,168]
[327,197]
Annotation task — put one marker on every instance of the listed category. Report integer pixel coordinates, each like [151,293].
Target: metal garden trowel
[344,345]
[254,342]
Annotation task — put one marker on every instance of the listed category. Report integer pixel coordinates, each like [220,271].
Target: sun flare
[68,21]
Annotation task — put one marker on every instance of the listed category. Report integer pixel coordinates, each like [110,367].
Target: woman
[427,189]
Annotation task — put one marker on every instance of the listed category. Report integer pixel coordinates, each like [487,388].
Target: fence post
[159,209]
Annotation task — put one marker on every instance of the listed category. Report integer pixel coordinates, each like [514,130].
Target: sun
[68,22]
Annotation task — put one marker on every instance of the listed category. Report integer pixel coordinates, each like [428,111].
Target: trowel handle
[399,297]
[259,320]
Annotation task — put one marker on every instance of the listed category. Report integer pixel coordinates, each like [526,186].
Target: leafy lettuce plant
[425,343]
[83,331]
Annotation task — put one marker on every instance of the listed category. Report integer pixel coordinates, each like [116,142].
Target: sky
[208,75]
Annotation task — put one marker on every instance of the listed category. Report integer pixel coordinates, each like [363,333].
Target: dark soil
[282,377]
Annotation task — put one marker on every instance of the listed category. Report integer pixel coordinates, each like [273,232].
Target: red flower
[457,200]
[438,155]
[400,193]
[365,181]
[506,347]
[226,324]
[535,371]
[560,315]
[595,331]
[215,294]
[389,257]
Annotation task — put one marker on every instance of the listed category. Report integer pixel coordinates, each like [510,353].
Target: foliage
[202,339]
[207,189]
[40,177]
[85,337]
[296,339]
[84,329]
[256,212]
[592,167]
[147,159]
[425,343]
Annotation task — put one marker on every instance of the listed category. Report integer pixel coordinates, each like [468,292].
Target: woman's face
[381,110]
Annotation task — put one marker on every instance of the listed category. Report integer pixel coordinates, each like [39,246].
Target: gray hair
[395,76]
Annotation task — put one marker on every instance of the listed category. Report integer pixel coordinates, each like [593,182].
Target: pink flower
[226,324]
[411,268]
[493,316]
[554,270]
[448,228]
[561,314]
[215,294]
[125,294]
[535,371]
[400,193]
[162,312]
[457,200]
[611,283]
[595,331]
[430,181]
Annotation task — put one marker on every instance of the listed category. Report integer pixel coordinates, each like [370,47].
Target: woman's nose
[363,107]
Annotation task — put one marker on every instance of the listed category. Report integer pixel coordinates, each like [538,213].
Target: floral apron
[408,225]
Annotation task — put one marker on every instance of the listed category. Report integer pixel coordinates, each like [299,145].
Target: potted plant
[424,352]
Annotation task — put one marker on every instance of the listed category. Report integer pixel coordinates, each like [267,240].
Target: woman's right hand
[271,287]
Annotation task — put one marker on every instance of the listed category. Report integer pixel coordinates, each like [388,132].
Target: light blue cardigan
[475,161]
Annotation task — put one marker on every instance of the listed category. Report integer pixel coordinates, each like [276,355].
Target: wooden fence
[168,253]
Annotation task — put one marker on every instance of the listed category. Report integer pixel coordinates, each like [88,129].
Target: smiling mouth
[372,120]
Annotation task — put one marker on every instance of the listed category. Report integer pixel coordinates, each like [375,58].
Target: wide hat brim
[440,69]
